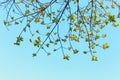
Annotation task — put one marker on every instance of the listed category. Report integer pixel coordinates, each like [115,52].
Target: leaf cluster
[61,24]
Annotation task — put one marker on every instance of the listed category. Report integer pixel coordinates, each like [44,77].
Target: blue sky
[16,62]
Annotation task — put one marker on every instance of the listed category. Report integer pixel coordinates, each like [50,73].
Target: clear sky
[16,62]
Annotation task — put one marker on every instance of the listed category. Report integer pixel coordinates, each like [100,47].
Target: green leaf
[115,24]
[17,43]
[37,31]
[72,17]
[113,6]
[16,23]
[34,55]
[94,51]
[5,22]
[73,37]
[48,26]
[55,50]
[105,46]
[97,37]
[103,35]
[69,48]
[85,52]
[47,44]
[90,33]
[111,18]
[37,42]
[75,51]
[48,53]
[98,30]
[27,12]
[37,19]
[76,28]
[64,40]
[66,56]
[75,1]
[30,40]
[55,20]
[94,58]
[118,16]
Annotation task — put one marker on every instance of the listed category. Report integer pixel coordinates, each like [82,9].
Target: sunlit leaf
[94,58]
[115,24]
[103,35]
[66,56]
[75,51]
[105,46]
[37,19]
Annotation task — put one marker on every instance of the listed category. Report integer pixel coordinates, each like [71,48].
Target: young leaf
[94,58]
[37,19]
[34,55]
[105,46]
[66,56]
[75,51]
